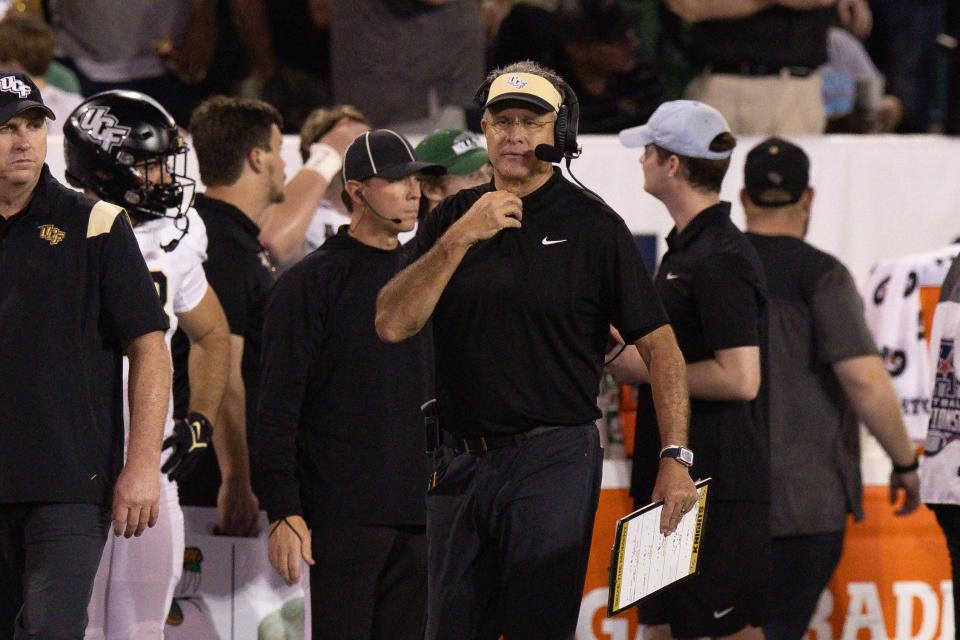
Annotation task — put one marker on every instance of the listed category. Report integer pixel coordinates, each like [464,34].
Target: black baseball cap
[384,154]
[776,173]
[17,94]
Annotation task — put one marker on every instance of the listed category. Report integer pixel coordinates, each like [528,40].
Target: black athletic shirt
[712,285]
[74,290]
[239,270]
[520,329]
[776,37]
[342,434]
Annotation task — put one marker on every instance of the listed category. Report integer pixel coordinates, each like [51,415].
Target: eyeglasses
[527,125]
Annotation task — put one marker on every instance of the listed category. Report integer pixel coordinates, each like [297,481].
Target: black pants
[509,533]
[49,555]
[368,583]
[948,516]
[802,567]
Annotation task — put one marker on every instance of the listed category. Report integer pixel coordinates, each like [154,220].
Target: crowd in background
[879,65]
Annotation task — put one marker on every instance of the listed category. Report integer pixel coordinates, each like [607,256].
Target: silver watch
[681,454]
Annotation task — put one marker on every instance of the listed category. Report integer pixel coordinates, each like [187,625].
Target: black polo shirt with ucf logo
[712,285]
[520,329]
[74,290]
[238,268]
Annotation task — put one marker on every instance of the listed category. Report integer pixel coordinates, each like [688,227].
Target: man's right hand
[342,134]
[238,509]
[677,490]
[490,214]
[289,542]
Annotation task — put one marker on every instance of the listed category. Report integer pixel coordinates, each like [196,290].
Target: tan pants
[763,105]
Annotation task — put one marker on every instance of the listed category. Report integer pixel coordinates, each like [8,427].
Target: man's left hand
[191,437]
[909,483]
[676,488]
[136,500]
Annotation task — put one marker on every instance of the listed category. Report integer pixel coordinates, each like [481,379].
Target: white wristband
[323,159]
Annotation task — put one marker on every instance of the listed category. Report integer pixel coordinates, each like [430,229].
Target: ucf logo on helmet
[103,127]
[13,84]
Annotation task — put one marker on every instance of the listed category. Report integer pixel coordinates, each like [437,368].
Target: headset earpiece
[560,129]
[568,122]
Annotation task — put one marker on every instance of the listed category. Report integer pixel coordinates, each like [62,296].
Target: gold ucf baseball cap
[524,87]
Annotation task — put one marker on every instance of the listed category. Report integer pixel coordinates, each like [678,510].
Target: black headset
[564,129]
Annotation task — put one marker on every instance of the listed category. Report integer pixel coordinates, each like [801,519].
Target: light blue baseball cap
[684,127]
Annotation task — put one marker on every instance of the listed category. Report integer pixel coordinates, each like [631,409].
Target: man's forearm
[883,419]
[670,398]
[149,384]
[667,373]
[405,304]
[285,223]
[867,386]
[731,375]
[709,381]
[208,365]
[230,437]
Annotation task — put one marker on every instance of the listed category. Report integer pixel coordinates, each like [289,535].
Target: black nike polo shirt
[520,329]
[712,284]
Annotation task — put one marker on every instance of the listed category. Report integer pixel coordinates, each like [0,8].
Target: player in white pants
[124,147]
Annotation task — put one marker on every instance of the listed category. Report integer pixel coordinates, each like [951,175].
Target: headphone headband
[568,117]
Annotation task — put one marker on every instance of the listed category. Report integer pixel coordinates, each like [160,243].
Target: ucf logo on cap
[517,82]
[13,84]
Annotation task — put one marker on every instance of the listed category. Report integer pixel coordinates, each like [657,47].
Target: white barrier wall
[876,196]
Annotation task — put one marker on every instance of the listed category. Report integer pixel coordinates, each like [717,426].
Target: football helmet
[126,148]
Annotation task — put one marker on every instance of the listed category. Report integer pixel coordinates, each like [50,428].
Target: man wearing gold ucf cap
[521,279]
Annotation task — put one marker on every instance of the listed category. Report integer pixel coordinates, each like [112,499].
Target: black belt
[479,444]
[754,69]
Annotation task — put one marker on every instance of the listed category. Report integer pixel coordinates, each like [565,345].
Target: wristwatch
[681,454]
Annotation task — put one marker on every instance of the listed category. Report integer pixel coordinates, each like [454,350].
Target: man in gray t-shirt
[824,373]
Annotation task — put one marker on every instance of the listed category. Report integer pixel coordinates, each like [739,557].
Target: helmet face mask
[125,147]
[162,188]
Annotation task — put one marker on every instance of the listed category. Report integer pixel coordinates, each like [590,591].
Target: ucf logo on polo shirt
[52,234]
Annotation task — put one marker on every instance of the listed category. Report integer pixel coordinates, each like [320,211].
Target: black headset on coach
[564,129]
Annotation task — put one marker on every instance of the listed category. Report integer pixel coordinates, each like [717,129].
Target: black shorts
[732,588]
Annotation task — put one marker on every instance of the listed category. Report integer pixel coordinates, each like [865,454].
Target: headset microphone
[377,213]
[548,153]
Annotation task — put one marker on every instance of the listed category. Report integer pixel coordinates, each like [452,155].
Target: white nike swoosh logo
[545,241]
[672,276]
[720,614]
